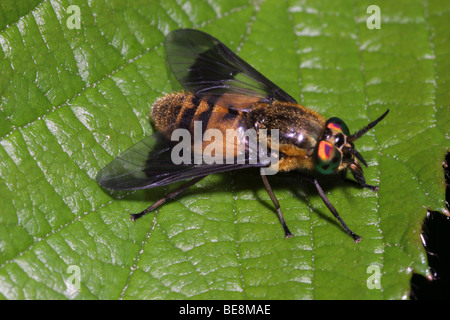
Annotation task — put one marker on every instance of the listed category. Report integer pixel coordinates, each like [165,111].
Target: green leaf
[73,99]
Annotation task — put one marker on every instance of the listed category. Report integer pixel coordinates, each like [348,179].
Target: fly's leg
[168,196]
[327,202]
[364,185]
[287,233]
[360,181]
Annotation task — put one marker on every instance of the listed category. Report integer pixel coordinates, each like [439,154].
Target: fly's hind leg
[168,196]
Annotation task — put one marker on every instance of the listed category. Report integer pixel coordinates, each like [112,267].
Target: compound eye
[328,158]
[338,124]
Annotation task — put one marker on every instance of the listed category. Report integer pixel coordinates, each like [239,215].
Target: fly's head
[335,150]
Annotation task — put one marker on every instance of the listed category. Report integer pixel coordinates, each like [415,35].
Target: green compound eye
[337,124]
[328,158]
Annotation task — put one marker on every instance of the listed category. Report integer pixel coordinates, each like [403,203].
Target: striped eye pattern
[328,158]
[337,124]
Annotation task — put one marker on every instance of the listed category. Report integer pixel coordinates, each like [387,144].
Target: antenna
[358,134]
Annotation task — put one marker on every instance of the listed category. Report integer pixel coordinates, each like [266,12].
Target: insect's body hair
[299,128]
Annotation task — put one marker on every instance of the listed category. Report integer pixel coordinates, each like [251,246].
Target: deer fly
[223,92]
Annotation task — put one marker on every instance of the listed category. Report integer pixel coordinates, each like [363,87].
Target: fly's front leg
[360,181]
[364,185]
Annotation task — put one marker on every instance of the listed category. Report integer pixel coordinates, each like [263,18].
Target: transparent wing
[149,164]
[205,66]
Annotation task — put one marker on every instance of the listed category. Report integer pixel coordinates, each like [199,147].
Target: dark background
[436,240]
